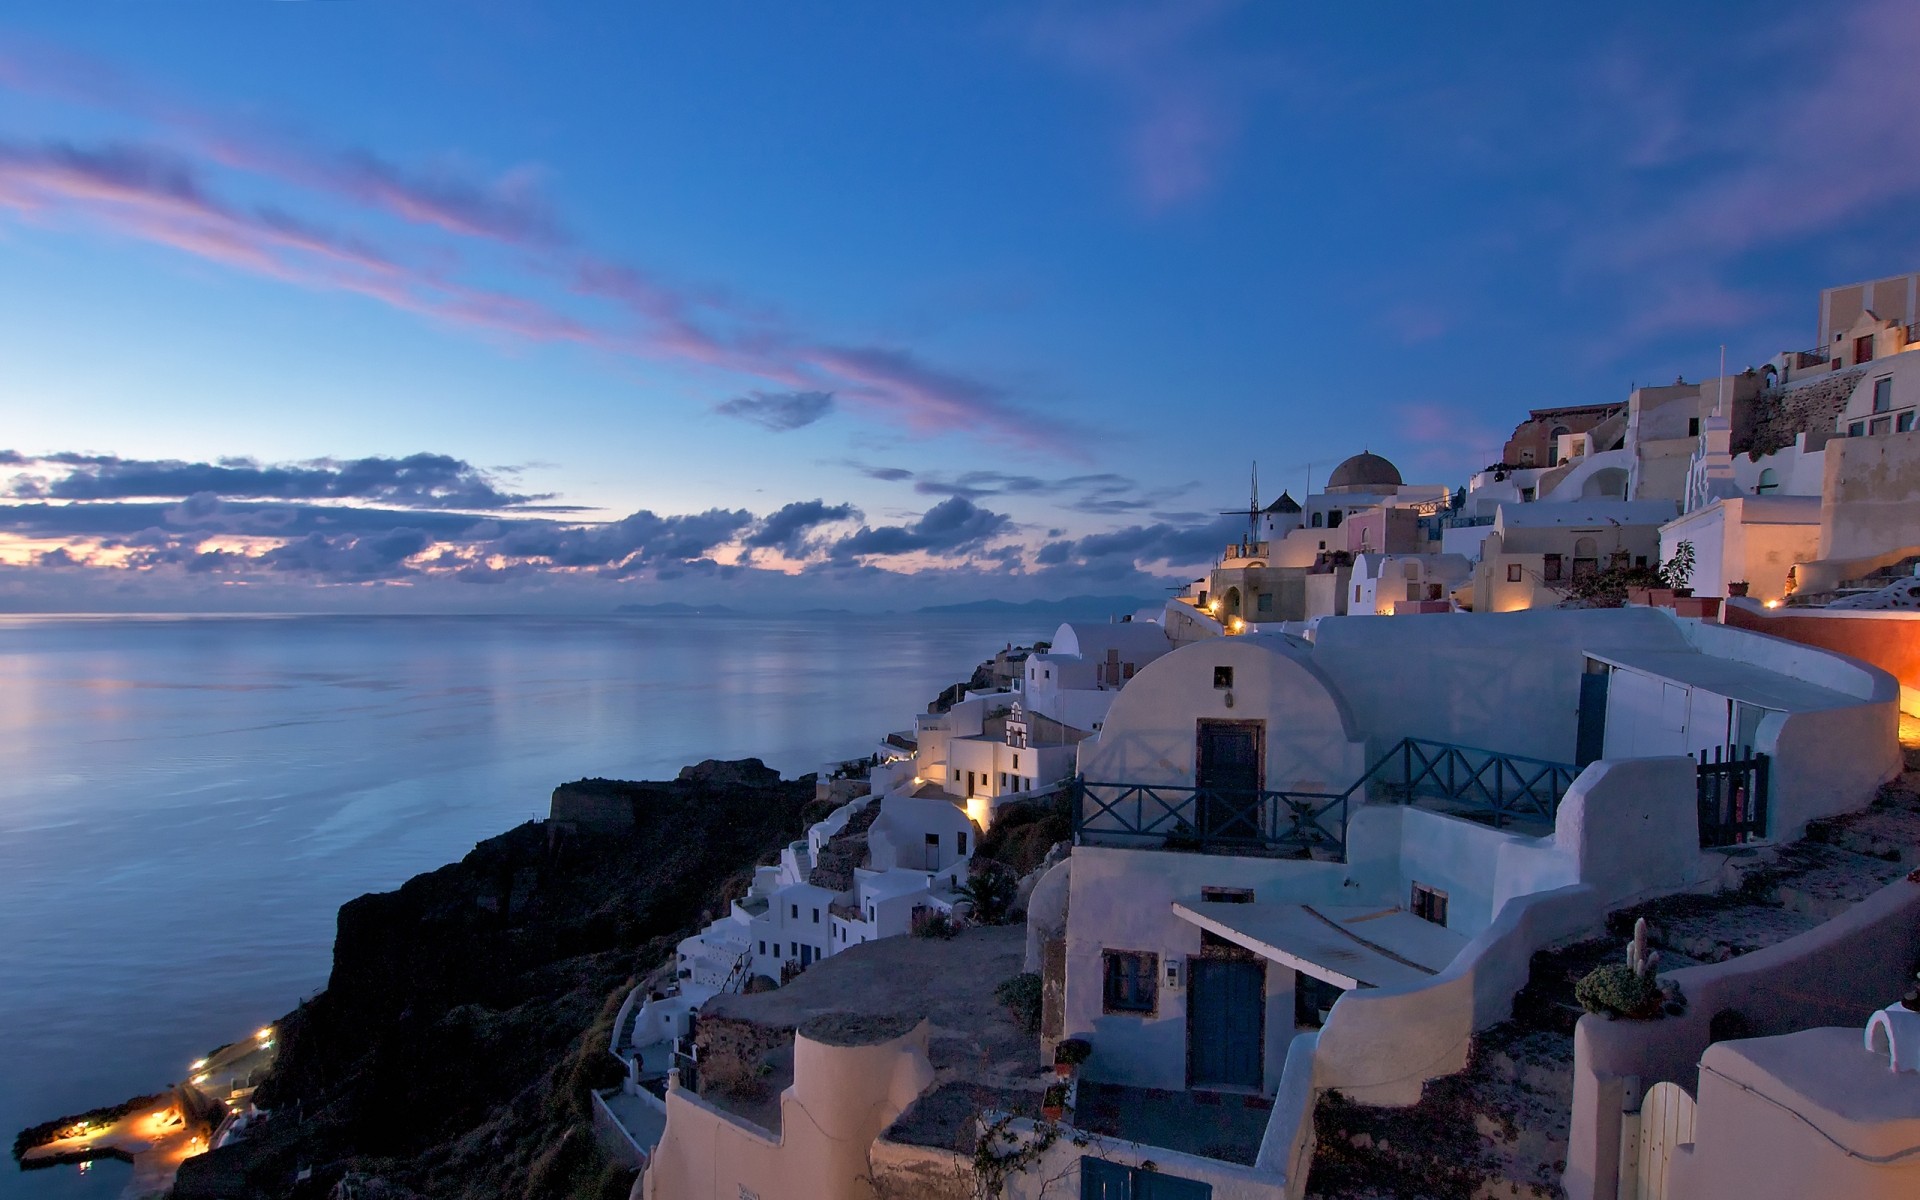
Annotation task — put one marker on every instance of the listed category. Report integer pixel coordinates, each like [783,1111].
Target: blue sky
[491,305]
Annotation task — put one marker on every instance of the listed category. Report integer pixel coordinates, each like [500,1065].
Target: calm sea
[184,802]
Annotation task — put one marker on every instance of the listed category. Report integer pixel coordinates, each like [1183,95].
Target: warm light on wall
[1773,604]
[979,811]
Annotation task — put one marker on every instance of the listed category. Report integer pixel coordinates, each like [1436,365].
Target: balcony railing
[1501,788]
[1504,787]
[1173,817]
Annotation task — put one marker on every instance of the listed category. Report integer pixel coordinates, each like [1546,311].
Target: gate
[1649,1138]
[1732,791]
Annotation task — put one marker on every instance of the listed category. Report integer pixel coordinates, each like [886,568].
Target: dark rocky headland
[468,1012]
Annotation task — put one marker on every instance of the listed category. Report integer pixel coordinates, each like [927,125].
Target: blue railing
[1173,817]
[1468,781]
[1501,786]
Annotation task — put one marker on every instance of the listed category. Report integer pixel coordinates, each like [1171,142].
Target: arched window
[1586,547]
[1553,444]
[1316,520]
[1769,481]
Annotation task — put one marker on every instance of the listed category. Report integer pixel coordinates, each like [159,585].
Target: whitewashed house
[1310,865]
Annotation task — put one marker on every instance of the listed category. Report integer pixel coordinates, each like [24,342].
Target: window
[1553,568]
[933,848]
[763,947]
[1264,603]
[796,911]
[956,774]
[1016,762]
[1227,895]
[1857,429]
[1316,520]
[816,916]
[1513,572]
[1880,425]
[960,842]
[1429,904]
[1883,394]
[1904,422]
[1356,593]
[1333,519]
[1693,426]
[1769,481]
[1223,677]
[1863,349]
[1132,981]
[1526,495]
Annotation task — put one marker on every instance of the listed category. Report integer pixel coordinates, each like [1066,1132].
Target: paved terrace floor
[1221,1125]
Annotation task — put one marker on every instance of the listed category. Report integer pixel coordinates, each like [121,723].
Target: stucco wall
[841,1098]
[1872,491]
[1149,735]
[1508,682]
[1834,974]
[1888,640]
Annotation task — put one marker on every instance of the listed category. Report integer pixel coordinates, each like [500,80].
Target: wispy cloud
[1182,86]
[176,193]
[416,481]
[781,412]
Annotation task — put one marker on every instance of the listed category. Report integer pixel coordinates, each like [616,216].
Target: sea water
[186,801]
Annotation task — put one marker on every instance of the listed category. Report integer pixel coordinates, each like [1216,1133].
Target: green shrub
[1073,1051]
[936,923]
[1021,995]
[989,892]
[1614,990]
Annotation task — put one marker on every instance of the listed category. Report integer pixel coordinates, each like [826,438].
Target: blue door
[1226,1020]
[1103,1180]
[1591,740]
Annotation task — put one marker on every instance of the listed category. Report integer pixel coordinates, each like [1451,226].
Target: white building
[1245,872]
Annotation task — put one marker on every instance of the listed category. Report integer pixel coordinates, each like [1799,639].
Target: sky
[419,305]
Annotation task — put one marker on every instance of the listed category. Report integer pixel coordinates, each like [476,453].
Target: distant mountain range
[1101,606]
[671,609]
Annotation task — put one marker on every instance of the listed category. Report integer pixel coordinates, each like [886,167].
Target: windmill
[1252,511]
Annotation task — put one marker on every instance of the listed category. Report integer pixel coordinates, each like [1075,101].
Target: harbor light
[264,1034]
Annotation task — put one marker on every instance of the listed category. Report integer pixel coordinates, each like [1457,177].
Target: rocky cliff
[468,1012]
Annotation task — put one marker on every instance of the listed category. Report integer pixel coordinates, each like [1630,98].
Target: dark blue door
[1591,740]
[1227,771]
[1103,1180]
[1226,1018]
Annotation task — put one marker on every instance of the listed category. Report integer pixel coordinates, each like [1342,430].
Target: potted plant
[1069,1054]
[1628,990]
[1677,572]
[1737,587]
[1053,1105]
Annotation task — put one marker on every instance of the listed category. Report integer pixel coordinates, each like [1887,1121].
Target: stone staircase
[1499,1128]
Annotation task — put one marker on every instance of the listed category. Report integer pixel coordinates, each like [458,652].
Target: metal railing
[1472,782]
[1175,817]
[1501,786]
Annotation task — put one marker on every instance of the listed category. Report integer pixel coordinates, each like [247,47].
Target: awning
[1349,947]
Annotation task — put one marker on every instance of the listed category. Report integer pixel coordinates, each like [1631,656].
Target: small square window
[1227,895]
[1857,429]
[1880,425]
[1132,982]
[1903,423]
[1223,677]
[1429,904]
[1513,573]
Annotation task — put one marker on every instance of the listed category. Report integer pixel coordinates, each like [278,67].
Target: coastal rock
[744,772]
[468,1013]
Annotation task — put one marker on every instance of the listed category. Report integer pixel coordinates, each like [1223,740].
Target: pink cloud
[162,197]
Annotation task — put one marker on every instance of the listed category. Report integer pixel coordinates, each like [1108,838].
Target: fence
[1732,791]
[1469,781]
